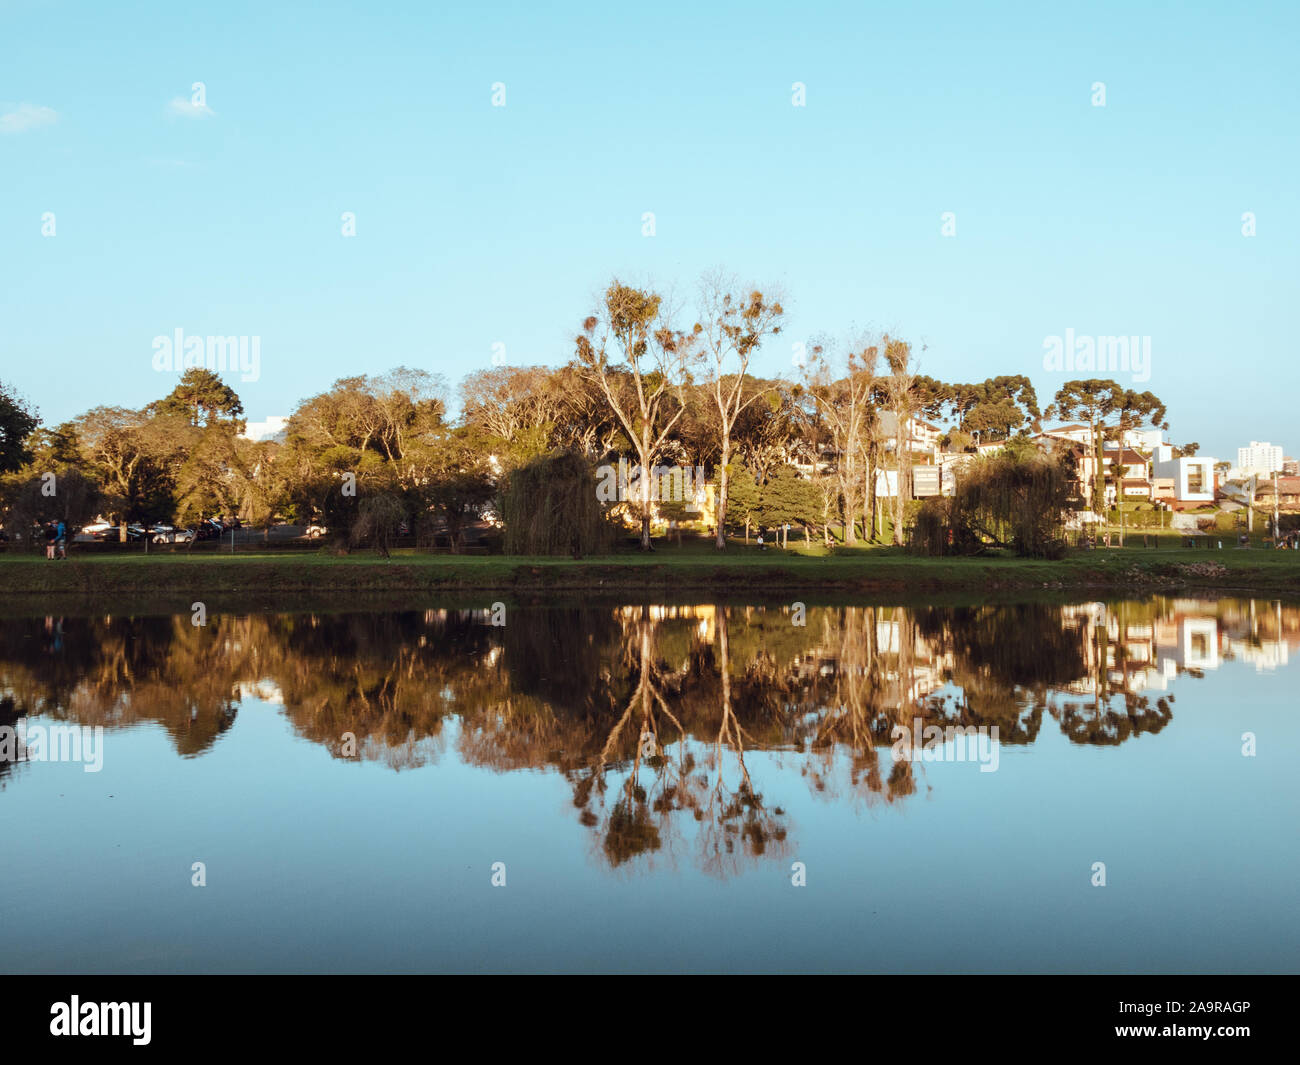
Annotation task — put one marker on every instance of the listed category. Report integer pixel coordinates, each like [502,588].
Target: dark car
[208,530]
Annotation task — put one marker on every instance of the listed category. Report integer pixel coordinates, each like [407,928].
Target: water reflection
[654,715]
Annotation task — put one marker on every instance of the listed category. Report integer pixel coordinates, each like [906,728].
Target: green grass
[693,567]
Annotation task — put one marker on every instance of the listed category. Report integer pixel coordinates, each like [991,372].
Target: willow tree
[732,327]
[630,350]
[1015,499]
[549,508]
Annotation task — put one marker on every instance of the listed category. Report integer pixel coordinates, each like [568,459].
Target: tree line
[374,453]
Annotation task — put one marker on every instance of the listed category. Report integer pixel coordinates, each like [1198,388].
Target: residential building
[1146,440]
[1076,433]
[1127,476]
[1193,476]
[1287,493]
[1260,457]
[922,436]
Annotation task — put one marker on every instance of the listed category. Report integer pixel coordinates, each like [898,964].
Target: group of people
[56,539]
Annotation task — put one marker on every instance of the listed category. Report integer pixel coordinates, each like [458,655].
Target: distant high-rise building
[1260,457]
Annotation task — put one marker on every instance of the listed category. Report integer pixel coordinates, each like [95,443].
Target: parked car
[166,534]
[315,532]
[208,529]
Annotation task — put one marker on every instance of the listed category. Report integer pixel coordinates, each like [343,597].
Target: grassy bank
[691,569]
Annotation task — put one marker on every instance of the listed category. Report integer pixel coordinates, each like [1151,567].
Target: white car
[165,534]
[316,531]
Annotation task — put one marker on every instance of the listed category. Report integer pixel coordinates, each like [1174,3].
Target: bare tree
[640,362]
[899,390]
[732,327]
[513,402]
[844,405]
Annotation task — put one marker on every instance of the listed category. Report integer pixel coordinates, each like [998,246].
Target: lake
[674,787]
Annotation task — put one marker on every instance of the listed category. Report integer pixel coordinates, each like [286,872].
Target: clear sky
[478,225]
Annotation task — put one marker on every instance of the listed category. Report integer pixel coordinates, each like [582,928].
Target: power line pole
[1277,530]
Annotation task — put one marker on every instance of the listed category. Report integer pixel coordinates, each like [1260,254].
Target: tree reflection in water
[653,714]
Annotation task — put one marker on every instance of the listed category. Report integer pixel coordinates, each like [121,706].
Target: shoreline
[635,577]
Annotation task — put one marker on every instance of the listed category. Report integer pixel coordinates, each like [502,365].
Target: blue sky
[479,225]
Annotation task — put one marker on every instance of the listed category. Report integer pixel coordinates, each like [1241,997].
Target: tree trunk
[868,533]
[645,498]
[898,505]
[723,482]
[850,522]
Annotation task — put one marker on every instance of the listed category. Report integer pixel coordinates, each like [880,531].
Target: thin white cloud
[17,118]
[188,109]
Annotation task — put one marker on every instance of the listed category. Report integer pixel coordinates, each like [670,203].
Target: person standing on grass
[760,540]
[61,538]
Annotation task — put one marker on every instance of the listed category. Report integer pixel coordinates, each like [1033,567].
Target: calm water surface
[654,780]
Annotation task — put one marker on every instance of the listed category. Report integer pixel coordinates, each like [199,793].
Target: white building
[1193,476]
[1147,440]
[1261,458]
[922,436]
[271,429]
[1077,434]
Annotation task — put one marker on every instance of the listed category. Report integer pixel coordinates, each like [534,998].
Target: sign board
[925,481]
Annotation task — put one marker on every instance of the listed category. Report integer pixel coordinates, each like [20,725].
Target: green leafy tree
[17,422]
[1091,401]
[788,499]
[201,398]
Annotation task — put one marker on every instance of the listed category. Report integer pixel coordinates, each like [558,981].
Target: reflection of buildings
[1146,653]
